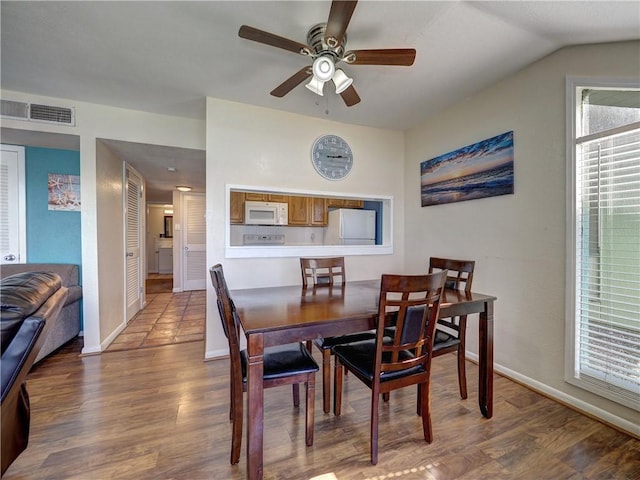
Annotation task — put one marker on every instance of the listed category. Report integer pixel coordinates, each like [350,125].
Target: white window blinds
[607,261]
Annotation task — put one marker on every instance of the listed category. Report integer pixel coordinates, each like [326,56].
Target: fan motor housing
[315,40]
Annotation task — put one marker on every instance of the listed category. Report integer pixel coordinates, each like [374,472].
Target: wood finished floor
[162,413]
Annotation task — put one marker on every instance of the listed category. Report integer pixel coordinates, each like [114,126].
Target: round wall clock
[332,157]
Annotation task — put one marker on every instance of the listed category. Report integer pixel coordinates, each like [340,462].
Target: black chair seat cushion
[444,340]
[360,358]
[330,342]
[282,361]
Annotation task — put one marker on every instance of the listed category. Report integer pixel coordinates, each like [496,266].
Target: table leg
[255,406]
[485,349]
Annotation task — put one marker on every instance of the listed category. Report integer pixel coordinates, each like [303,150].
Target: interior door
[134,226]
[194,267]
[13,230]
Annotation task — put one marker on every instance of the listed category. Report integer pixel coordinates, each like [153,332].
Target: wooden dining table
[278,315]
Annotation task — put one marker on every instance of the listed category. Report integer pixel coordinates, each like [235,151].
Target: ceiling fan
[326,45]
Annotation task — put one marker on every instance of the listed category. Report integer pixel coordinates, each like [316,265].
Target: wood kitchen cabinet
[318,214]
[344,203]
[265,197]
[299,210]
[307,211]
[272,197]
[236,207]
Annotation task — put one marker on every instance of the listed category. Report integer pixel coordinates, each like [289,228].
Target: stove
[256,239]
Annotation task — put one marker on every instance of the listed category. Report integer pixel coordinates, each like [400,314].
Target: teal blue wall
[52,236]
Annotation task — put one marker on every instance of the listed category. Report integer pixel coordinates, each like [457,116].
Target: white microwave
[266,213]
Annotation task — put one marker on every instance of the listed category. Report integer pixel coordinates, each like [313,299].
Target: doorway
[159,246]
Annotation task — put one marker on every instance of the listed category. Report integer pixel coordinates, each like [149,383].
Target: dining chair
[451,332]
[389,363]
[328,272]
[289,364]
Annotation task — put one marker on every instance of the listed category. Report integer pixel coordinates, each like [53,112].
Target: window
[603,261]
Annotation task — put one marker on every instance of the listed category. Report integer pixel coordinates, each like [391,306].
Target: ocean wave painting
[483,169]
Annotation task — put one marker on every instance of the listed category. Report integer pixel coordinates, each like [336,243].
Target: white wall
[518,241]
[95,122]
[254,146]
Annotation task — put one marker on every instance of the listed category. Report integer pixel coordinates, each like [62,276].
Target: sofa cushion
[69,272]
[20,296]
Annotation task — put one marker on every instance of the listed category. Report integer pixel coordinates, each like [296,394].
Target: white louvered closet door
[194,268]
[13,246]
[133,229]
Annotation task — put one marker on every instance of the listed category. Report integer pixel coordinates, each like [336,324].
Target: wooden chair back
[414,300]
[460,276]
[322,271]
[451,332]
[229,318]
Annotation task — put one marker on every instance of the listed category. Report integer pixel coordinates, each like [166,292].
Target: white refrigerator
[348,226]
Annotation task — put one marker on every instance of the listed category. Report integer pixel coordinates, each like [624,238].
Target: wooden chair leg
[337,387]
[375,416]
[231,390]
[462,373]
[236,429]
[425,401]
[326,380]
[311,407]
[296,395]
[462,369]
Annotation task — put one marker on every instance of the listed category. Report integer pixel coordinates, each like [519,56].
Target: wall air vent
[36,112]
[17,110]
[49,114]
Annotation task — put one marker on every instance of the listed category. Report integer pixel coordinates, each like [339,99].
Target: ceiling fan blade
[267,38]
[292,82]
[392,56]
[339,17]
[350,96]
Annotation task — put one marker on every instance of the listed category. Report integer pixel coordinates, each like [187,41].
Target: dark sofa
[68,324]
[30,304]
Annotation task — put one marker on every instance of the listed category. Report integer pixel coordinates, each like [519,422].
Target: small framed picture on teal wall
[64,192]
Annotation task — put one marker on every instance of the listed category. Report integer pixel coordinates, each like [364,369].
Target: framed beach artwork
[483,169]
[64,192]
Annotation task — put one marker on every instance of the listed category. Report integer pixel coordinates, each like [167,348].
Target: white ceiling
[167,57]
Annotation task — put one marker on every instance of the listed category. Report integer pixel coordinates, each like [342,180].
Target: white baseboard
[562,397]
[215,354]
[107,341]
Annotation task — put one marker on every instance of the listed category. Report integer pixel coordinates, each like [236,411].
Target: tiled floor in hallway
[168,318]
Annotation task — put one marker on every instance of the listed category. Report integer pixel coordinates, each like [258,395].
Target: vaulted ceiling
[167,57]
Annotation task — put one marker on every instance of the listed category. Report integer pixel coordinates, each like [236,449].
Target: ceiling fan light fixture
[341,81]
[323,68]
[315,86]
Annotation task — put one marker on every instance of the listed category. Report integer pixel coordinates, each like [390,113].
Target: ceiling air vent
[49,114]
[36,112]
[11,109]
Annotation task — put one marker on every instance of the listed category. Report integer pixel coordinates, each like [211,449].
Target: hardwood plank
[162,413]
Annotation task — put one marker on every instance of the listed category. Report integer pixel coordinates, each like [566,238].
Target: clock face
[332,157]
